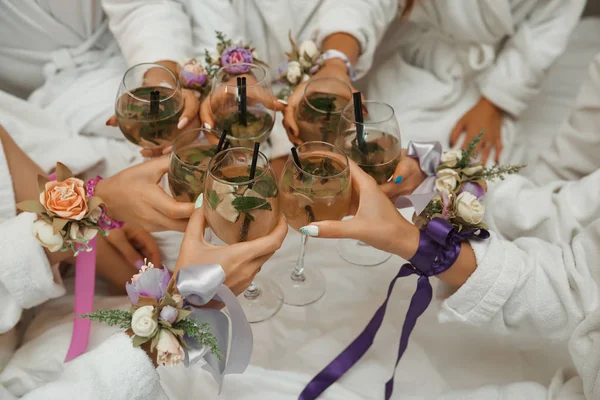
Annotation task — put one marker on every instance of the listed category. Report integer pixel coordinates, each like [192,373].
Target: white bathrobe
[435,67]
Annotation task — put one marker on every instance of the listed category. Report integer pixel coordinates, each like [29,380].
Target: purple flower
[193,75]
[236,55]
[313,70]
[150,283]
[168,314]
[474,188]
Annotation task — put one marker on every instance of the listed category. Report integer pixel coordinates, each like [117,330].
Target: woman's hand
[376,221]
[407,177]
[135,244]
[133,196]
[483,116]
[334,67]
[241,261]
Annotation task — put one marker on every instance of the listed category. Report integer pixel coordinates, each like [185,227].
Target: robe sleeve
[579,136]
[366,20]
[114,370]
[530,286]
[150,30]
[555,211]
[516,76]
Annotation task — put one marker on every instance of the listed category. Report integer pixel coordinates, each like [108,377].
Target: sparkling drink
[258,126]
[188,171]
[318,116]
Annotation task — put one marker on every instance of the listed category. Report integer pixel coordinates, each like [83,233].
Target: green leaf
[266,187]
[213,199]
[62,172]
[183,314]
[245,204]
[32,206]
[238,179]
[138,340]
[323,103]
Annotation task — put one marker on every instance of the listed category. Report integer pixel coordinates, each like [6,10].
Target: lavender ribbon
[200,284]
[429,155]
[439,247]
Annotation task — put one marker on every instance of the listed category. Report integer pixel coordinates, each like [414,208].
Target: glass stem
[298,274]
[252,292]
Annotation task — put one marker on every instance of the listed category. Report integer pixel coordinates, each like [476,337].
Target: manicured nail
[282,102]
[107,123]
[139,264]
[207,126]
[310,230]
[182,122]
[199,201]
[398,179]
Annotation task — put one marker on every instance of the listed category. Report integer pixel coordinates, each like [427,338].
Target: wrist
[490,105]
[336,64]
[405,239]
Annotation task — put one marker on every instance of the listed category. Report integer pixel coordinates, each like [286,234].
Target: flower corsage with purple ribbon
[448,212]
[302,62]
[196,76]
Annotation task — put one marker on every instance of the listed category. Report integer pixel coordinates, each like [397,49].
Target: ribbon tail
[85,278]
[418,304]
[354,352]
[242,339]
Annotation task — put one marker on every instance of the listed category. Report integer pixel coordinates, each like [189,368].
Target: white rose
[469,208]
[95,215]
[255,55]
[168,348]
[308,49]
[446,180]
[89,233]
[44,233]
[472,170]
[450,158]
[77,232]
[142,323]
[305,78]
[294,72]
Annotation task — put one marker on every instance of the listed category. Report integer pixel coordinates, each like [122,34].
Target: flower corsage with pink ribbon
[157,316]
[197,77]
[302,62]
[69,215]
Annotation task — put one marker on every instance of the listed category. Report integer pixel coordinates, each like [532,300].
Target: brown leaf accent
[93,203]
[42,180]
[59,223]
[147,301]
[183,314]
[62,172]
[138,340]
[32,206]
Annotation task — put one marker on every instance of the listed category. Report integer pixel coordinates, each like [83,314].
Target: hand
[407,177]
[113,267]
[376,221]
[484,116]
[135,244]
[133,196]
[222,95]
[336,68]
[241,261]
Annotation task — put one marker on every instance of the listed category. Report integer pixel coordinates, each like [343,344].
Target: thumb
[330,229]
[196,225]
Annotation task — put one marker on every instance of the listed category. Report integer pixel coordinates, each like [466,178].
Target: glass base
[265,304]
[300,292]
[359,253]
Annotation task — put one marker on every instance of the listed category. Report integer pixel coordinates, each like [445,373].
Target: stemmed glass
[375,145]
[319,111]
[315,186]
[240,208]
[241,103]
[148,105]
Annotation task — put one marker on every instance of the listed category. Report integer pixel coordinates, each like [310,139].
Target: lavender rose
[151,282]
[474,188]
[236,55]
[193,75]
[168,314]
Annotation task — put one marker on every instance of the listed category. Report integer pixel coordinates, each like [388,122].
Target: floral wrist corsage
[158,316]
[196,76]
[69,215]
[303,62]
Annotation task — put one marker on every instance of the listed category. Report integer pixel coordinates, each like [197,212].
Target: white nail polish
[182,123]
[207,126]
[282,102]
[199,201]
[310,230]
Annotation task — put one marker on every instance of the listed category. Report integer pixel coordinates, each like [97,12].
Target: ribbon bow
[200,284]
[439,247]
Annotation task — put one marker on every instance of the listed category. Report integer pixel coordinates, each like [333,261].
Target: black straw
[246,225]
[154,102]
[221,141]
[227,145]
[358,119]
[296,158]
[243,106]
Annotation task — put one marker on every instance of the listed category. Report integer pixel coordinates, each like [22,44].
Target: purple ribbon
[439,248]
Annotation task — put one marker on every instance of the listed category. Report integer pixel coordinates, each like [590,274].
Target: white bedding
[295,344]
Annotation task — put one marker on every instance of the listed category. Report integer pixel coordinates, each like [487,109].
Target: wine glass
[239,209]
[245,112]
[148,106]
[314,187]
[319,111]
[375,145]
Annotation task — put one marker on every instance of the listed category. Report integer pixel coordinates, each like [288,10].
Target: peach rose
[66,199]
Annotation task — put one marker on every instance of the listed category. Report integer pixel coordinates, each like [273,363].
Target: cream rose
[44,233]
[305,78]
[294,72]
[178,300]
[472,170]
[308,49]
[80,232]
[142,323]
[446,180]
[67,199]
[450,158]
[469,208]
[168,348]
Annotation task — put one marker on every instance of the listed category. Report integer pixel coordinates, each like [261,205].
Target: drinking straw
[307,208]
[246,225]
[358,118]
[154,102]
[227,145]
[243,103]
[221,141]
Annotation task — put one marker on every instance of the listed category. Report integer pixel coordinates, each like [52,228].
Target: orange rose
[67,199]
